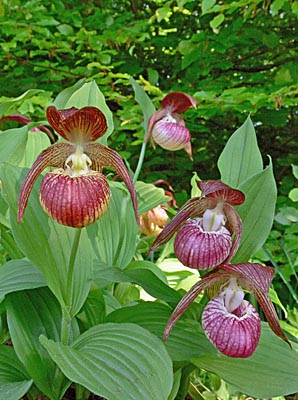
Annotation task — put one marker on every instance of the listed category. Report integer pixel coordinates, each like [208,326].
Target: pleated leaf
[241,157]
[114,235]
[149,196]
[36,143]
[29,314]
[14,390]
[46,243]
[86,94]
[14,380]
[19,275]
[116,361]
[257,212]
[187,339]
[13,144]
[270,372]
[142,276]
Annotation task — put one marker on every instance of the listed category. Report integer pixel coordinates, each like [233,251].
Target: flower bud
[200,249]
[170,133]
[153,221]
[75,201]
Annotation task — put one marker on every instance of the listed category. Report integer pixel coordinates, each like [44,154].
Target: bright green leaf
[217,21]
[116,361]
[187,339]
[241,157]
[144,101]
[257,212]
[14,390]
[19,275]
[36,142]
[149,196]
[142,276]
[29,314]
[295,170]
[114,235]
[293,194]
[13,144]
[271,371]
[14,379]
[207,5]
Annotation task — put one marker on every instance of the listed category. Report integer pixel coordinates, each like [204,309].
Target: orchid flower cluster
[76,194]
[208,236]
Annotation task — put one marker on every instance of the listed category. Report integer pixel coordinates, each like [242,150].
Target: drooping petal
[53,156]
[178,102]
[201,250]
[74,201]
[192,208]
[78,126]
[257,278]
[219,190]
[234,334]
[103,156]
[209,280]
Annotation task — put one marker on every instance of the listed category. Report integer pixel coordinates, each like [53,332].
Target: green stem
[140,162]
[66,317]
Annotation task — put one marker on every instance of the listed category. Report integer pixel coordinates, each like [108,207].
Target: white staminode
[78,163]
[233,295]
[214,220]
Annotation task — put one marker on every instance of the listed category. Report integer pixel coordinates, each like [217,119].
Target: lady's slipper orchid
[230,322]
[206,241]
[76,193]
[167,128]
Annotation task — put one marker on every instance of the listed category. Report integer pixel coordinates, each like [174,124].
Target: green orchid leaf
[257,212]
[93,311]
[241,157]
[8,243]
[48,244]
[143,100]
[13,144]
[37,141]
[142,276]
[65,95]
[149,196]
[187,339]
[114,235]
[41,308]
[270,372]
[20,146]
[14,379]
[86,94]
[14,390]
[18,275]
[116,361]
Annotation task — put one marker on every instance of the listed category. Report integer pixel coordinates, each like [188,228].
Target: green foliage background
[235,57]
